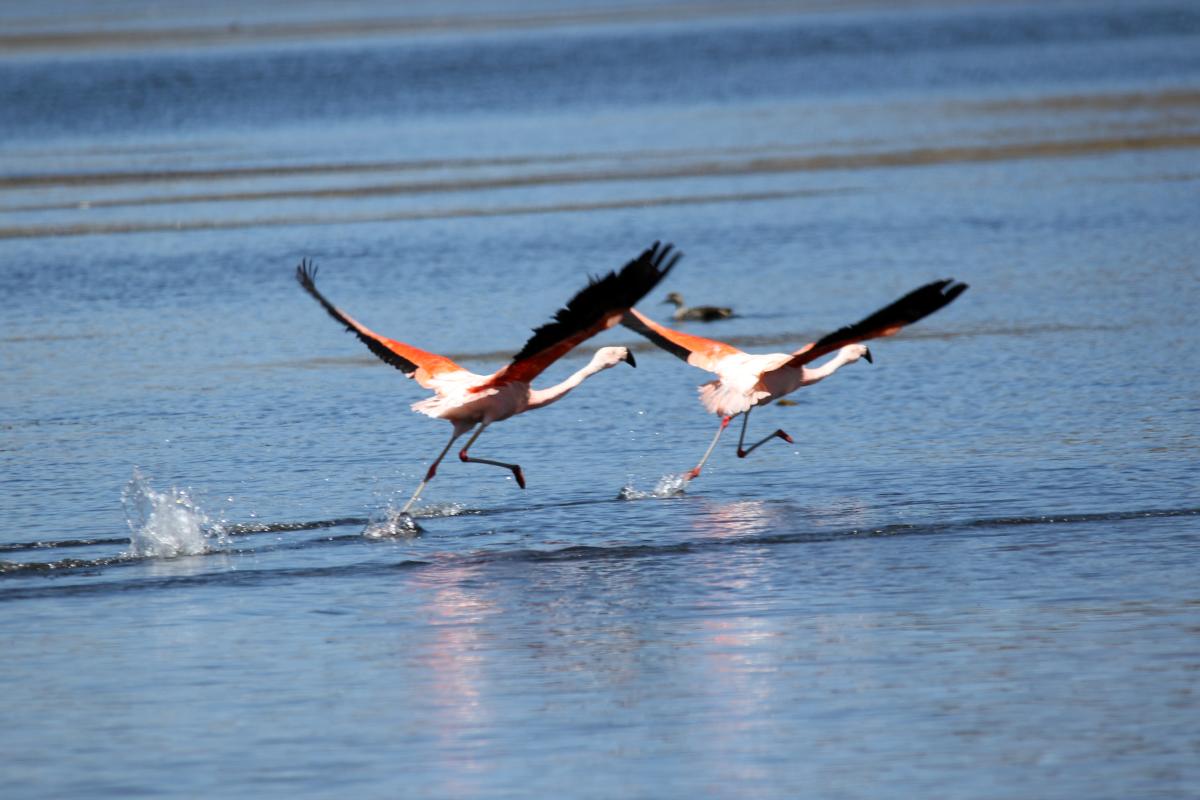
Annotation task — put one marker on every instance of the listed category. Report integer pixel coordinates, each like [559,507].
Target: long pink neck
[814,374]
[544,397]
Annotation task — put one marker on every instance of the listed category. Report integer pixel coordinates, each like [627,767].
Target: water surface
[973,574]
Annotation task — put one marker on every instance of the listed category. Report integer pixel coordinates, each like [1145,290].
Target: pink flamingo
[745,380]
[468,400]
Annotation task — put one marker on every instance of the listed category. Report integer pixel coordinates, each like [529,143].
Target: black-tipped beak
[629,357]
[867,356]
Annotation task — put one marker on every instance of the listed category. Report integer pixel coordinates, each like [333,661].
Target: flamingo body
[465,397]
[745,380]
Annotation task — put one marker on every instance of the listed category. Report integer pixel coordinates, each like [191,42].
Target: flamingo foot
[782,434]
[692,474]
[520,476]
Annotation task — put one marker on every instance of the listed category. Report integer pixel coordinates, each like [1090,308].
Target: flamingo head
[856,351]
[611,356]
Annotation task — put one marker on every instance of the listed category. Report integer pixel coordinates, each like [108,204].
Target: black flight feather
[306,274]
[914,306]
[637,326]
[602,296]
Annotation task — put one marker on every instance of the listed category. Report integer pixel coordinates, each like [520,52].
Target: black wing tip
[912,307]
[953,289]
[306,274]
[929,298]
[947,291]
[639,277]
[618,290]
[655,262]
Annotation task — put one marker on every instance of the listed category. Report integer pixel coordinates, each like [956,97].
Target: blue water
[973,574]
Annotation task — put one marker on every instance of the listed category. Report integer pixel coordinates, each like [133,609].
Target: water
[167,524]
[972,575]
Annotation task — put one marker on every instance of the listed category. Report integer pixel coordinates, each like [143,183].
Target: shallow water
[972,575]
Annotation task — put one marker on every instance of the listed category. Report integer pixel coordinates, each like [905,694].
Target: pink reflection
[452,659]
[739,518]
[741,659]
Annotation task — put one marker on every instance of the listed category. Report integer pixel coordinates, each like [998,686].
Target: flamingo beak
[867,356]
[629,358]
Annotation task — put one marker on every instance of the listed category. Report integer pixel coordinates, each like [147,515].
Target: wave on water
[668,486]
[206,532]
[167,524]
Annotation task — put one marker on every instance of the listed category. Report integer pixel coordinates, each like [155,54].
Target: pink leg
[743,453]
[432,469]
[516,468]
[695,471]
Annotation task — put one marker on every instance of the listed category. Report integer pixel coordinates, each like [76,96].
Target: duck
[683,313]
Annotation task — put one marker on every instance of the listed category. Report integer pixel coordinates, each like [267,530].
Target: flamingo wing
[422,366]
[695,350]
[596,307]
[914,306]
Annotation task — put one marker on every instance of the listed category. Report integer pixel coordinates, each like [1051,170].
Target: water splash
[393,523]
[441,510]
[167,524]
[668,486]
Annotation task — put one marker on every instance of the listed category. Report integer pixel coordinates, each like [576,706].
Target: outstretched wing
[596,307]
[695,350]
[413,362]
[887,321]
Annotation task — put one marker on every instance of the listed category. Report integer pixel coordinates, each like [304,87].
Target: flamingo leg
[433,469]
[695,471]
[778,432]
[516,468]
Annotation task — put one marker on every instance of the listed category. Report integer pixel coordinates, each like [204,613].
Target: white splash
[668,486]
[441,510]
[167,524]
[393,523]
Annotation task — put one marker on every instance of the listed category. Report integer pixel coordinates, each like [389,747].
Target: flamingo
[684,313]
[745,380]
[470,401]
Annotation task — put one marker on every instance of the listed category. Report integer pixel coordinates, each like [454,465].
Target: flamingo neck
[544,397]
[814,374]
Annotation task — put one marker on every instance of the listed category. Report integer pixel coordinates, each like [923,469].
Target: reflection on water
[741,518]
[457,619]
